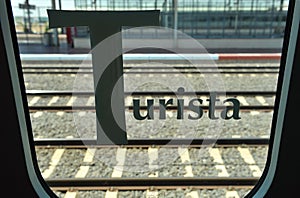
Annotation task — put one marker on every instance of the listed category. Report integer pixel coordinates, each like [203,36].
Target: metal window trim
[5,25]
[261,192]
[36,183]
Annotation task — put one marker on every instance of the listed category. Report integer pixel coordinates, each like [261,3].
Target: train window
[176,98]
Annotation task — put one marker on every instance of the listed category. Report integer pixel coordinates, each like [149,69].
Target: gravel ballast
[160,82]
[83,125]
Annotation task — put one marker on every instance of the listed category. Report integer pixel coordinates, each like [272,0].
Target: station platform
[36,48]
[33,44]
[42,49]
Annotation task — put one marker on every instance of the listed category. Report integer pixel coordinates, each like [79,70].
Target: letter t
[103,24]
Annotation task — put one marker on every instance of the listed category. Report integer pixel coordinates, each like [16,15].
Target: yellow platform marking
[120,157]
[261,100]
[53,100]
[248,158]
[185,158]
[53,163]
[37,114]
[111,194]
[153,156]
[242,100]
[70,194]
[90,101]
[71,101]
[215,154]
[192,194]
[34,100]
[232,194]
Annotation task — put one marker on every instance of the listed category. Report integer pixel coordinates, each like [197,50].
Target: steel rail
[160,72]
[151,182]
[152,67]
[147,93]
[92,108]
[146,143]
[150,188]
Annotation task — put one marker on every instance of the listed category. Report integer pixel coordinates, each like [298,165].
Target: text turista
[229,110]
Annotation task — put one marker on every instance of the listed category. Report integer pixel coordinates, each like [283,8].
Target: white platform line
[256,171]
[34,100]
[60,113]
[273,98]
[185,158]
[37,114]
[151,194]
[254,113]
[248,158]
[126,57]
[223,171]
[83,170]
[216,155]
[242,100]
[265,136]
[53,100]
[111,194]
[118,170]
[261,100]
[193,194]
[204,99]
[90,101]
[120,157]
[128,100]
[89,155]
[186,100]
[153,156]
[70,194]
[53,163]
[82,113]
[170,114]
[246,155]
[71,101]
[232,194]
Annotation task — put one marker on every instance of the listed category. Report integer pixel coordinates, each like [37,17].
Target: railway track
[159,183]
[142,143]
[149,169]
[157,70]
[66,100]
[223,67]
[151,165]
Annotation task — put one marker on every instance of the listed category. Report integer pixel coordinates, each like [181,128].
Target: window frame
[283,142]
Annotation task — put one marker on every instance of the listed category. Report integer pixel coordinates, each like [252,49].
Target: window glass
[194,91]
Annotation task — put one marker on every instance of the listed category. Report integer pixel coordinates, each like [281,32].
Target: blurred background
[233,21]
